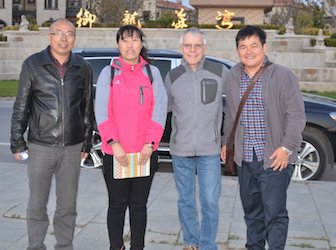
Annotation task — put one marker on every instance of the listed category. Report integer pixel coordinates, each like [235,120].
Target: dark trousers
[129,193]
[264,196]
[44,163]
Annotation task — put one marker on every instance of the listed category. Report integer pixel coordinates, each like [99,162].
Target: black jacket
[58,112]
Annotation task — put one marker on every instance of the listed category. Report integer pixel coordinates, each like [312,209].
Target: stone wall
[315,67]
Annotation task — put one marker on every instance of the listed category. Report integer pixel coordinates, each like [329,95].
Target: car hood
[327,102]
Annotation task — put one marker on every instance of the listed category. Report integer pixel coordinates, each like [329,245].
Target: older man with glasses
[195,91]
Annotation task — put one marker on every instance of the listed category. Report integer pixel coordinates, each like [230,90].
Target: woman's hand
[146,153]
[119,154]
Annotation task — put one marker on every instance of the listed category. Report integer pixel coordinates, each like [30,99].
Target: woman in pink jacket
[131,114]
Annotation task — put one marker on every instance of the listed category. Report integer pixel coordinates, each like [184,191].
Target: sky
[186,3]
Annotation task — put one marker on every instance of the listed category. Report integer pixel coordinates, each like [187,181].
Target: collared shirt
[60,67]
[253,118]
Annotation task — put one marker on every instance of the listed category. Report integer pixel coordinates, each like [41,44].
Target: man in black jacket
[54,100]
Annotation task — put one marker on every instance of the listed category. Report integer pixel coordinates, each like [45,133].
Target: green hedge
[330,42]
[3,38]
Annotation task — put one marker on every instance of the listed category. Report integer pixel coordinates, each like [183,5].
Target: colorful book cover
[134,168]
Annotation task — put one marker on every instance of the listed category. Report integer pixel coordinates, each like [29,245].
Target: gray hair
[194,31]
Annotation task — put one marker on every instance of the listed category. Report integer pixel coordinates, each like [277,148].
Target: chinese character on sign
[224,19]
[85,17]
[181,22]
[131,19]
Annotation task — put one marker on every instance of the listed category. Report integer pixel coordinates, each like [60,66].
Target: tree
[327,9]
[305,13]
[112,11]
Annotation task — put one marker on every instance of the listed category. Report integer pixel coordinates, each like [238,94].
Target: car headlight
[333,115]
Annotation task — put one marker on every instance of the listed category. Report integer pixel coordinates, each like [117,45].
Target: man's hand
[223,153]
[84,155]
[119,154]
[17,156]
[280,159]
[146,153]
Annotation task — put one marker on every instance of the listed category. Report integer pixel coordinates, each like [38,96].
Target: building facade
[43,10]
[247,12]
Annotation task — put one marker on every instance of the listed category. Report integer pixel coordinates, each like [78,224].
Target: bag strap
[148,69]
[244,98]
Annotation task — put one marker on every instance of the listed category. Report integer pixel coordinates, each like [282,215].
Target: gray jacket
[284,112]
[195,99]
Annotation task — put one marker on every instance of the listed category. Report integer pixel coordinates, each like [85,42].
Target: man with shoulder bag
[264,119]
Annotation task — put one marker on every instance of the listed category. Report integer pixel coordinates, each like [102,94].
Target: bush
[31,19]
[313,31]
[11,28]
[333,36]
[31,27]
[3,38]
[161,23]
[330,42]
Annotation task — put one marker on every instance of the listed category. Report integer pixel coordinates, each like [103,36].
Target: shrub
[11,28]
[313,31]
[333,36]
[3,38]
[32,27]
[161,23]
[31,19]
[330,42]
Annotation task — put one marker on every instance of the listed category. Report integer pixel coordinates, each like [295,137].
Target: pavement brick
[311,206]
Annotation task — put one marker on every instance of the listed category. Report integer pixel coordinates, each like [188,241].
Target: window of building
[2,3]
[74,4]
[51,4]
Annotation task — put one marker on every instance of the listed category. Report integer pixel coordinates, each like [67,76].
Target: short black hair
[251,30]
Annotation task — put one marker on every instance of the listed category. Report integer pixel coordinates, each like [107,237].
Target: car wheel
[312,156]
[94,160]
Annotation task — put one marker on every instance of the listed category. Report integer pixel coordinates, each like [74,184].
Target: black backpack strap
[112,73]
[149,72]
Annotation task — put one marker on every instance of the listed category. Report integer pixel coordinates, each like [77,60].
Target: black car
[318,150]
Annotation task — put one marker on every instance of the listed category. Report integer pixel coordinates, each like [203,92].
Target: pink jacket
[131,110]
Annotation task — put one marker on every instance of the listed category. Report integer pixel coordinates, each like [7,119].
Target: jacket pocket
[48,125]
[208,90]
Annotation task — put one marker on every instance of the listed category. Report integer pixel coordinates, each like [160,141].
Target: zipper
[62,111]
[141,95]
[203,92]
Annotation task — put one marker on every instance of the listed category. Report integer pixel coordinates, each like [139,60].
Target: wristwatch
[289,152]
[111,142]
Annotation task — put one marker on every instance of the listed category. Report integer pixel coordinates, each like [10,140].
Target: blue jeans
[209,177]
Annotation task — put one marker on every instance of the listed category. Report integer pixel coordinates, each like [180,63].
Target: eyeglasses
[196,46]
[60,34]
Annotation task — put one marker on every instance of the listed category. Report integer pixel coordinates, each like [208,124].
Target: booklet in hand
[133,169]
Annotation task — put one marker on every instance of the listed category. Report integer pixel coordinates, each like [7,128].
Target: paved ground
[312,208]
